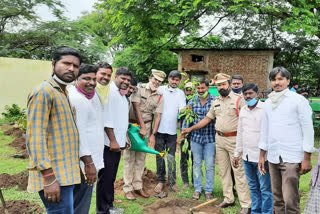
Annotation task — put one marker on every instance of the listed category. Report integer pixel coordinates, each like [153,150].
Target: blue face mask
[251,102]
[236,90]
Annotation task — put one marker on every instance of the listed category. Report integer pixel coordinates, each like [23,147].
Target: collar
[54,84]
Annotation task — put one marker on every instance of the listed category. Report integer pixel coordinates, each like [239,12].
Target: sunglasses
[188,89]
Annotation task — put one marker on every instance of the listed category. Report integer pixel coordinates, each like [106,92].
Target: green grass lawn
[13,166]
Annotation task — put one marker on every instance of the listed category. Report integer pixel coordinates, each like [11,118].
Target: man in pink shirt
[248,135]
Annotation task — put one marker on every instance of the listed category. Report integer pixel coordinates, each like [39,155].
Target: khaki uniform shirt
[224,111]
[150,103]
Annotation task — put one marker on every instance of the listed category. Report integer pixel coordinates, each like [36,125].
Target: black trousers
[106,178]
[166,142]
[184,158]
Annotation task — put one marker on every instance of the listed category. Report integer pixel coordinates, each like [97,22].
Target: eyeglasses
[188,89]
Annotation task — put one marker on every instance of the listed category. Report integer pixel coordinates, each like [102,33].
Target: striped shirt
[207,133]
[52,136]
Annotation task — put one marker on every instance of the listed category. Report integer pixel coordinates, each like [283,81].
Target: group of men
[78,122]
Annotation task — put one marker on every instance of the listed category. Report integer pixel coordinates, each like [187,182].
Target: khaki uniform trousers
[225,147]
[133,167]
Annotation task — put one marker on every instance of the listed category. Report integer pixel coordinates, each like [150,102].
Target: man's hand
[185,131]
[114,146]
[52,192]
[235,162]
[261,165]
[305,164]
[90,173]
[180,139]
[128,145]
[151,141]
[143,132]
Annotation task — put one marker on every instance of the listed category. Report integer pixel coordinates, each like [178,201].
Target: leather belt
[134,121]
[229,134]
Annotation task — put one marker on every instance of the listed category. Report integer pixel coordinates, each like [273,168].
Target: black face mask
[224,92]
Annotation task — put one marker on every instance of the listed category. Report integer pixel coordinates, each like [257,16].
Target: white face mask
[56,78]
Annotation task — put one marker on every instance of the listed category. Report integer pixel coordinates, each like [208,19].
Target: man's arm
[37,126]
[137,112]
[239,143]
[82,120]
[202,123]
[263,143]
[305,118]
[109,120]
[114,146]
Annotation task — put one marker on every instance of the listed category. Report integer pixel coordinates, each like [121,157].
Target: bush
[14,114]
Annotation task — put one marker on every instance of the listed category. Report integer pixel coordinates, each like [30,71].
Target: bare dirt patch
[21,206]
[20,179]
[20,145]
[149,180]
[179,206]
[14,132]
[5,127]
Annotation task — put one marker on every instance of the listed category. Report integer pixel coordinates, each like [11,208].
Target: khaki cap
[221,77]
[188,85]
[159,75]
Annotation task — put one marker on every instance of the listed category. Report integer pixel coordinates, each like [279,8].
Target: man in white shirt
[248,135]
[88,111]
[116,121]
[173,101]
[287,135]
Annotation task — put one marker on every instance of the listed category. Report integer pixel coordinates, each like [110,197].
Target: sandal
[208,196]
[158,188]
[196,195]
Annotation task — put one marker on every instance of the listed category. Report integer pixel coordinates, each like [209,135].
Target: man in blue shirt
[202,141]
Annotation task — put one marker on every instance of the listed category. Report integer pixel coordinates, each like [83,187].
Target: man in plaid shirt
[202,141]
[52,137]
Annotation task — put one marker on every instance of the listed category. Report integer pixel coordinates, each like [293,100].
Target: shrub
[14,113]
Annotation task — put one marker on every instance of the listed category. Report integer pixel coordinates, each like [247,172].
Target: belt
[134,121]
[229,134]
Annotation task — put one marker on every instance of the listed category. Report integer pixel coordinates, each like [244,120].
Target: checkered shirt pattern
[52,136]
[207,133]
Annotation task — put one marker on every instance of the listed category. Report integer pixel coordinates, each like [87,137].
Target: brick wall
[253,65]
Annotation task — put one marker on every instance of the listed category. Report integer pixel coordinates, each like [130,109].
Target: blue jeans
[65,206]
[82,194]
[260,188]
[204,152]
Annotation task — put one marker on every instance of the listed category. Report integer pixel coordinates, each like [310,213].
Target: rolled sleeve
[37,130]
[305,118]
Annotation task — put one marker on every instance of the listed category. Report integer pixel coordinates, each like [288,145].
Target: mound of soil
[179,206]
[20,145]
[20,179]
[21,206]
[5,127]
[149,180]
[14,132]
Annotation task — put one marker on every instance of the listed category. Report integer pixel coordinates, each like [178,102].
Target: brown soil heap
[20,179]
[20,145]
[179,206]
[14,132]
[149,180]
[21,206]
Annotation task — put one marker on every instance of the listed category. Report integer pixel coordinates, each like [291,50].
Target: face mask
[56,78]
[224,92]
[251,102]
[237,90]
[203,95]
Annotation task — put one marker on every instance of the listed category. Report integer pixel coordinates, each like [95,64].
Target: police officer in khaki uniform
[225,110]
[144,103]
